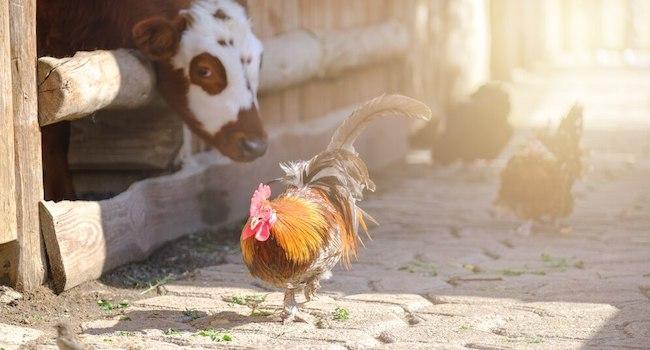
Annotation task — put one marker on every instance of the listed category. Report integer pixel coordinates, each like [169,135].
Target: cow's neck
[67,26]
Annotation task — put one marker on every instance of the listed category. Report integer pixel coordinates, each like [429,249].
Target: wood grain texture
[86,239]
[101,184]
[301,55]
[290,59]
[313,99]
[141,139]
[8,225]
[74,87]
[273,17]
[31,268]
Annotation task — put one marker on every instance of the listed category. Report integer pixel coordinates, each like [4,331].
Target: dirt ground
[41,308]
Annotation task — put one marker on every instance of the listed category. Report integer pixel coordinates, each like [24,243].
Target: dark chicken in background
[477,129]
[294,240]
[536,182]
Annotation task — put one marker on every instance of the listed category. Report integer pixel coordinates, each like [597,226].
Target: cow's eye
[204,72]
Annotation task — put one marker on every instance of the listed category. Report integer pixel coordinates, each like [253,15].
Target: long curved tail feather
[382,106]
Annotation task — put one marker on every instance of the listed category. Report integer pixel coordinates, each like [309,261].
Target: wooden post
[7,177]
[31,270]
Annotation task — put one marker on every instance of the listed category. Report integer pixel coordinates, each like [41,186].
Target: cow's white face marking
[220,28]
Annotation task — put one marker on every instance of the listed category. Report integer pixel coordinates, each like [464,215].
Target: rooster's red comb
[262,193]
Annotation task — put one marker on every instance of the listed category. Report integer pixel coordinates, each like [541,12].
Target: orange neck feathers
[303,227]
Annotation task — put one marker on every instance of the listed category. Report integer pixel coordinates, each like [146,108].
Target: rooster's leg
[290,305]
[291,311]
[311,288]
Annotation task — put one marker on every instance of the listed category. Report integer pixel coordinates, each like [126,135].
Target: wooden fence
[363,48]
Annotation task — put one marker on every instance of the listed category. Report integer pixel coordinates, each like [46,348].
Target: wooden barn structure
[148,181]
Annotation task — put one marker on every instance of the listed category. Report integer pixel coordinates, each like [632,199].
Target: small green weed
[215,335]
[253,301]
[420,267]
[472,268]
[519,272]
[107,305]
[341,314]
[533,340]
[157,283]
[125,334]
[555,262]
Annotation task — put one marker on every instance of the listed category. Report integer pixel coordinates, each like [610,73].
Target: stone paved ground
[443,271]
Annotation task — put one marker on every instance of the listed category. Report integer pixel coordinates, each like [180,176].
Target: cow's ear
[158,38]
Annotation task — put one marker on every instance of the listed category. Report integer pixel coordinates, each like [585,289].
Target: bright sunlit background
[559,51]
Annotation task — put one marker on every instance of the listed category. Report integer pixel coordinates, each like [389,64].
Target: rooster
[294,240]
[536,182]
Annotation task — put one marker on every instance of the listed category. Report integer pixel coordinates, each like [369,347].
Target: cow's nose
[253,147]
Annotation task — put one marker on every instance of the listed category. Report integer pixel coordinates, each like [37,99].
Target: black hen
[476,129]
[536,182]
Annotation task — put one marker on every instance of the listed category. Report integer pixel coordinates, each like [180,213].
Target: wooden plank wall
[318,97]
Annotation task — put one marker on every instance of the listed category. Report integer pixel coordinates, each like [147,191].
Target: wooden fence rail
[71,88]
[74,87]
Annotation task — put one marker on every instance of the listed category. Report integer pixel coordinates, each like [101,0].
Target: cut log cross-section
[74,87]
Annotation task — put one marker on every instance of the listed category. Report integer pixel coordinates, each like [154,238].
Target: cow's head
[208,62]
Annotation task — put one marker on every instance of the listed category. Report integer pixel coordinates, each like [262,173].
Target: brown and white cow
[206,57]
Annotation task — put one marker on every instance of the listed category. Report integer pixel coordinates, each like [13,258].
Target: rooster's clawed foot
[296,315]
[292,312]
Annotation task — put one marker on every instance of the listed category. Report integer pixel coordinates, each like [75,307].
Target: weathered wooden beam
[74,87]
[86,239]
[31,267]
[8,227]
[140,139]
[290,59]
[301,55]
